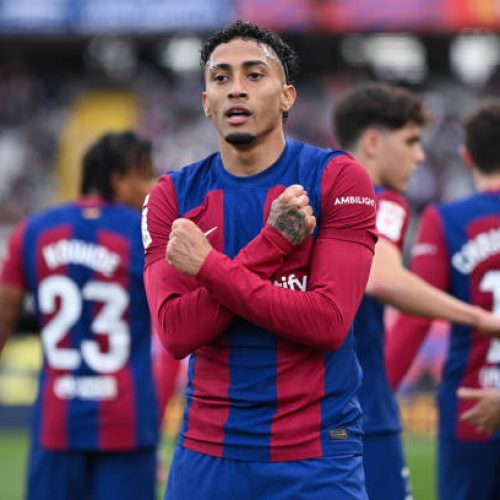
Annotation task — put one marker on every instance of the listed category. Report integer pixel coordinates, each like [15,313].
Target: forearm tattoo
[289,221]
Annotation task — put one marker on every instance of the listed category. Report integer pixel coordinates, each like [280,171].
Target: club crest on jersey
[476,251]
[292,282]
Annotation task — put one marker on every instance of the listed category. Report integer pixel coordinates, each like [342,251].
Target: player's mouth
[237,115]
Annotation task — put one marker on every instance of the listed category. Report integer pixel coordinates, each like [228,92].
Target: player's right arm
[185,316]
[12,286]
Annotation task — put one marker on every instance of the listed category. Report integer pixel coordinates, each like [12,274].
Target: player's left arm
[12,286]
[340,263]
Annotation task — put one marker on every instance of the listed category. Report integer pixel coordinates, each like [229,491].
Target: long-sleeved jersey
[458,251]
[272,374]
[380,410]
[83,264]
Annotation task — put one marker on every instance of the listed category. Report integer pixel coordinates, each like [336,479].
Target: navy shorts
[195,476]
[468,470]
[387,476]
[69,475]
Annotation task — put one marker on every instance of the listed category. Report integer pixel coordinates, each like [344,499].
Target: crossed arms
[196,291]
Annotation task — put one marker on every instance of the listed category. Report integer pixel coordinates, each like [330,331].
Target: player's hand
[485,415]
[292,215]
[488,323]
[187,247]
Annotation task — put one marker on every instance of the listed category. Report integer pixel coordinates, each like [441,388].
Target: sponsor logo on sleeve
[355,200]
[390,219]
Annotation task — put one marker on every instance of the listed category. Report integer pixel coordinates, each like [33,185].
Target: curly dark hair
[118,152]
[240,29]
[375,105]
[482,136]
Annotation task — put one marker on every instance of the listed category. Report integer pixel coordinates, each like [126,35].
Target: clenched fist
[292,215]
[187,247]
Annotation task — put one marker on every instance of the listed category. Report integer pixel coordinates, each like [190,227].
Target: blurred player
[235,278]
[458,250]
[382,127]
[95,424]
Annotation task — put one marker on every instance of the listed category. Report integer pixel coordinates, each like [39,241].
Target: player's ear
[204,102]
[467,158]
[370,141]
[288,96]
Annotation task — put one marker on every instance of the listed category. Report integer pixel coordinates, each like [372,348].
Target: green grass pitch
[14,448]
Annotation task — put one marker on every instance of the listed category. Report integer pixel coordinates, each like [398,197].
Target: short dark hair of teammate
[376,105]
[482,136]
[113,154]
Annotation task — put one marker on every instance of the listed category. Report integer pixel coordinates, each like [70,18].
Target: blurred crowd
[34,109]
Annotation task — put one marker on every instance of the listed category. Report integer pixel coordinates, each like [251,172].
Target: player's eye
[220,77]
[255,75]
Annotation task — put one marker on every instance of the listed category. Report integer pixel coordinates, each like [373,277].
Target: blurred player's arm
[11,286]
[485,414]
[321,316]
[391,283]
[184,314]
[421,291]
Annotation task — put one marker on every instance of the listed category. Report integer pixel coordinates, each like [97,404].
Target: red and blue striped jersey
[83,264]
[458,251]
[272,374]
[380,410]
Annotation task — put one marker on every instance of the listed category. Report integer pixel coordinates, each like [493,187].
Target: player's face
[246,92]
[399,154]
[131,189]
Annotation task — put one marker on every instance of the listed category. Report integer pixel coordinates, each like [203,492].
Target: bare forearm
[410,294]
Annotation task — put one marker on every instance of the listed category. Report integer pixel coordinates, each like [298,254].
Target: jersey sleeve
[341,257]
[165,374]
[429,261]
[347,203]
[12,271]
[184,314]
[392,217]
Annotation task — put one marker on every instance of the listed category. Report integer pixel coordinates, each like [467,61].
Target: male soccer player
[458,250]
[381,126]
[256,260]
[95,424]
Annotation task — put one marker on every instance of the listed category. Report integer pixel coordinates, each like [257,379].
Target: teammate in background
[458,250]
[239,274]
[381,126]
[95,424]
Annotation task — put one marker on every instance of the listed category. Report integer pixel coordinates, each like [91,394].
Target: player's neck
[250,160]
[489,182]
[369,165]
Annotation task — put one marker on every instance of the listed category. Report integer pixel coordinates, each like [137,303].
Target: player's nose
[419,154]
[237,88]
